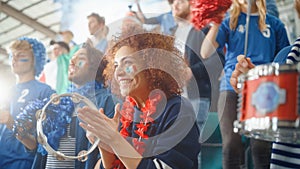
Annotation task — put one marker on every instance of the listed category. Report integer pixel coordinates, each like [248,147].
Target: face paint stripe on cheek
[134,68]
[130,69]
[81,64]
[23,60]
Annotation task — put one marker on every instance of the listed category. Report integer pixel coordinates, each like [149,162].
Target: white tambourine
[41,137]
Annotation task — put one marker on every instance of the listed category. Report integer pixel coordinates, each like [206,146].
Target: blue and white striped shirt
[284,155]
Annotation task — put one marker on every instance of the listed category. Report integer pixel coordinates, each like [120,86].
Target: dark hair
[61,43]
[99,18]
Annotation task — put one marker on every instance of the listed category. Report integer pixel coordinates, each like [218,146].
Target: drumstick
[247,26]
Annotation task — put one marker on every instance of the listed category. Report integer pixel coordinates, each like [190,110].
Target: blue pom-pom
[57,116]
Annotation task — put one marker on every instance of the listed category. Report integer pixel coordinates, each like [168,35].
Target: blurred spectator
[165,20]
[272,8]
[98,31]
[58,48]
[86,74]
[67,37]
[131,22]
[55,72]
[204,74]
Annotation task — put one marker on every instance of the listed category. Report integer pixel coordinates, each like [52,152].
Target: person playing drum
[271,34]
[283,154]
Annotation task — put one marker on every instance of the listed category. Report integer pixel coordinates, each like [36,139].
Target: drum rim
[267,70]
[287,131]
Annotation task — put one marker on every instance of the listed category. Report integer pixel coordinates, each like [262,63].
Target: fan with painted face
[17,133]
[155,125]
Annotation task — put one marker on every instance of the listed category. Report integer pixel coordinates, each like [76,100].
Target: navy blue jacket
[173,136]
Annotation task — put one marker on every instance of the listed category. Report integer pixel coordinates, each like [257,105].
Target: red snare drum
[268,103]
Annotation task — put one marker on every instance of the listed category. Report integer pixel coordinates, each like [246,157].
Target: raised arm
[210,44]
[140,14]
[142,17]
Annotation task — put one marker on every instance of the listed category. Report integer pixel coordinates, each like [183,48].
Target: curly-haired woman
[156,126]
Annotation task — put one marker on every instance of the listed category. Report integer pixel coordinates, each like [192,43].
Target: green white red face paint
[130,69]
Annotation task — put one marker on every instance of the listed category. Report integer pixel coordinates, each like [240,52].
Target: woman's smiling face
[128,73]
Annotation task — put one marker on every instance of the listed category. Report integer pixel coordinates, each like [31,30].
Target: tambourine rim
[40,133]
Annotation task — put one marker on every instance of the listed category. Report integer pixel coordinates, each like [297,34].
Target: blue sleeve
[154,20]
[102,45]
[282,55]
[47,92]
[39,161]
[281,36]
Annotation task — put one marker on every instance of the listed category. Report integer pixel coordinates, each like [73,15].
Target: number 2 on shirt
[24,93]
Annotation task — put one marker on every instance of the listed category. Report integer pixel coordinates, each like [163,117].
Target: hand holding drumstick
[243,66]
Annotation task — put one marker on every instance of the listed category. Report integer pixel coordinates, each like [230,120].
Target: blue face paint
[23,60]
[129,69]
[80,64]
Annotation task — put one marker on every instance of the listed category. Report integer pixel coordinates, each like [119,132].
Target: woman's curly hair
[165,68]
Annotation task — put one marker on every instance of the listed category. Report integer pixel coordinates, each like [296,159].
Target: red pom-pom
[207,11]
